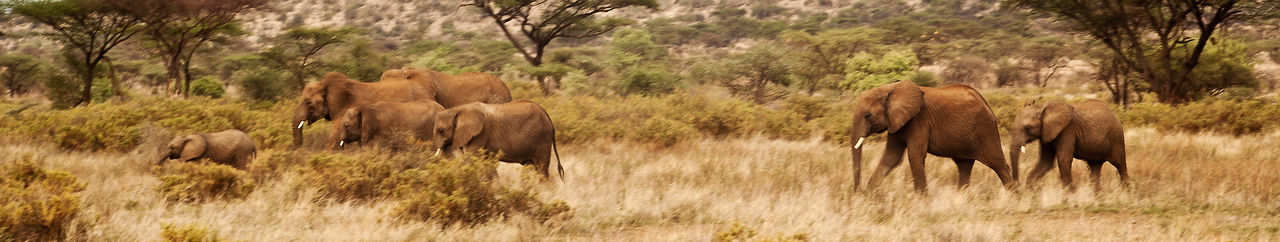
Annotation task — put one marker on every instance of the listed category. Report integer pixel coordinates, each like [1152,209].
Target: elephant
[520,130]
[454,90]
[1086,130]
[365,122]
[336,93]
[952,121]
[231,147]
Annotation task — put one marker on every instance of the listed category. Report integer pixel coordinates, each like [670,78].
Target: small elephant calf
[368,121]
[1086,130]
[231,147]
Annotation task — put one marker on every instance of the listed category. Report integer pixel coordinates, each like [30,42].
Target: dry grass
[1185,187]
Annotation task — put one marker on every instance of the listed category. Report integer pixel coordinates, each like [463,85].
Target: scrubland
[633,172]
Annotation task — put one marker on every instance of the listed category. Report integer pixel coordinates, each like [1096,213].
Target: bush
[356,177]
[186,233]
[36,204]
[647,81]
[200,182]
[207,86]
[460,191]
[1231,117]
[265,84]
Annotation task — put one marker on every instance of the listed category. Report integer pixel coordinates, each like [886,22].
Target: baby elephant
[1087,130]
[231,147]
[368,121]
[520,130]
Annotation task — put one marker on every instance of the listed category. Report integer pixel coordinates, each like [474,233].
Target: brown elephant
[952,121]
[365,122]
[520,130]
[1086,130]
[231,147]
[454,90]
[328,98]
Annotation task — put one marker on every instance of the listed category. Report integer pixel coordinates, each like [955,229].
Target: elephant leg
[1118,160]
[542,166]
[965,168]
[1043,166]
[915,157]
[1095,173]
[1064,168]
[994,159]
[892,157]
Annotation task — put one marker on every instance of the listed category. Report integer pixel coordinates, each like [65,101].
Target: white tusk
[341,142]
[437,151]
[1023,148]
[859,144]
[300,124]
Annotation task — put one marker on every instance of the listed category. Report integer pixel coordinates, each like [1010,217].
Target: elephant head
[884,108]
[351,128]
[455,128]
[318,100]
[185,148]
[1037,122]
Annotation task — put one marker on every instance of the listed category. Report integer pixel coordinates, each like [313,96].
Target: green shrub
[647,81]
[265,84]
[460,191]
[188,182]
[36,204]
[207,86]
[186,233]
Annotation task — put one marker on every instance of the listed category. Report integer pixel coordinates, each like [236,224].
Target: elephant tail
[559,163]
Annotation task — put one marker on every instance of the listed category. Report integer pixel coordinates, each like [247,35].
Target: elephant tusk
[1023,148]
[341,142]
[300,124]
[438,151]
[859,144]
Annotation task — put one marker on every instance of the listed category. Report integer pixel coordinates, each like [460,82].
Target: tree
[821,61]
[1147,36]
[761,65]
[18,72]
[87,29]
[968,69]
[865,71]
[1046,56]
[295,51]
[541,21]
[178,28]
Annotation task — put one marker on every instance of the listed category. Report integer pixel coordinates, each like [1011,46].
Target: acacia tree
[296,50]
[541,21]
[179,27]
[762,65]
[18,72]
[823,55]
[1160,41]
[88,30]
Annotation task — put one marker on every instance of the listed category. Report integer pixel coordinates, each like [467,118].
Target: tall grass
[1185,187]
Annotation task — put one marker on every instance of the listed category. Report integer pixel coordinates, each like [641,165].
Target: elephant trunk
[856,140]
[1017,146]
[299,119]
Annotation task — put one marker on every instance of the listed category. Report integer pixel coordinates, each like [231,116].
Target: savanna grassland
[753,186]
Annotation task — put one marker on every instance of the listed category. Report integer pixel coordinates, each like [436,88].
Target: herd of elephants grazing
[474,112]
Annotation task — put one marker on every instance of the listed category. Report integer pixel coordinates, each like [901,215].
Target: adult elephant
[520,130]
[231,147]
[952,121]
[366,122]
[1086,130]
[454,90]
[336,93]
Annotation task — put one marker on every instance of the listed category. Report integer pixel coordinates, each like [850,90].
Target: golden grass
[1184,187]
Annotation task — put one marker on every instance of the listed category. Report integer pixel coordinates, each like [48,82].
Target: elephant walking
[454,90]
[231,147]
[368,121]
[952,121]
[1087,130]
[520,130]
[329,98]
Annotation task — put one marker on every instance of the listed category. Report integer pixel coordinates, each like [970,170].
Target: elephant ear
[193,147]
[1055,117]
[903,102]
[467,124]
[337,93]
[366,121]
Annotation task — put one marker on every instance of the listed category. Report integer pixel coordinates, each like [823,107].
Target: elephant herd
[460,113]
[474,111]
[955,121]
